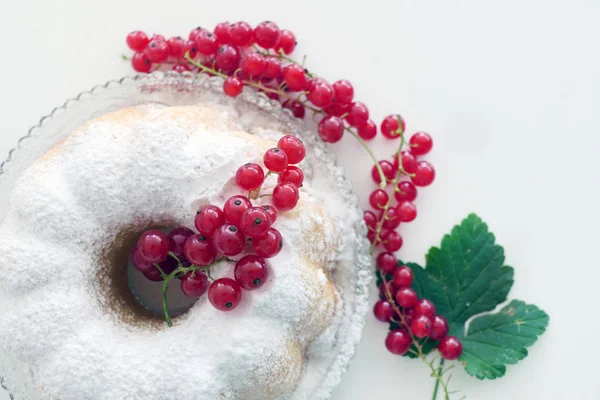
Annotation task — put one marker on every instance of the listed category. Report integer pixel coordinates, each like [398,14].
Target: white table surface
[510,91]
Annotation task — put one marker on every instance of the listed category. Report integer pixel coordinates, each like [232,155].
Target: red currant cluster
[414,318]
[238,228]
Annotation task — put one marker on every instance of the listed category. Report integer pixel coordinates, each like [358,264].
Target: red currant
[388,171]
[233,86]
[255,222]
[378,199]
[181,68]
[439,327]
[336,110]
[409,162]
[407,211]
[138,261]
[157,50]
[424,174]
[200,250]
[291,174]
[320,92]
[227,59]
[272,213]
[391,218]
[153,274]
[386,262]
[176,44]
[224,294]
[384,287]
[251,272]
[331,129]
[269,245]
[450,347]
[420,143]
[367,131]
[272,68]
[235,207]
[137,40]
[406,191]
[371,236]
[406,297]
[141,63]
[158,37]
[287,42]
[206,43]
[154,245]
[344,92]
[208,219]
[398,341]
[370,219]
[421,326]
[241,34]
[253,64]
[229,240]
[250,176]
[222,32]
[177,239]
[189,47]
[383,311]
[295,78]
[293,147]
[266,34]
[410,315]
[392,126]
[275,160]
[425,307]
[295,107]
[358,114]
[403,277]
[285,196]
[195,32]
[392,241]
[194,284]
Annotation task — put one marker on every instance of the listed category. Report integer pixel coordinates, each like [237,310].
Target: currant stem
[437,382]
[366,146]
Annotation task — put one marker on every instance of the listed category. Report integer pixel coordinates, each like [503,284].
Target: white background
[509,89]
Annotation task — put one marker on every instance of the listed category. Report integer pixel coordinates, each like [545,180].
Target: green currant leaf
[464,277]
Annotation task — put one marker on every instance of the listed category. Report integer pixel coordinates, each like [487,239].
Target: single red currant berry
[200,250]
[137,40]
[222,32]
[195,32]
[234,208]
[406,191]
[272,68]
[409,162]
[295,107]
[320,92]
[266,34]
[229,240]
[153,274]
[287,42]
[295,78]
[368,131]
[406,297]
[291,174]
[154,245]
[383,311]
[393,126]
[410,315]
[275,160]
[169,265]
[227,59]
[138,261]
[403,277]
[371,236]
[450,347]
[206,43]
[392,241]
[177,239]
[272,213]
[420,143]
[358,114]
[208,219]
[224,294]
[336,110]
[253,64]
[250,176]
[176,44]
[158,37]
[141,63]
[344,92]
[241,34]
[386,262]
[293,147]
[251,272]
[181,68]
[157,50]
[421,326]
[424,174]
[407,211]
[331,129]
[378,199]
[370,219]
[425,307]
[269,245]
[398,341]
[391,218]
[388,171]
[384,287]
[233,86]
[285,196]
[194,284]
[439,327]
[189,48]
[255,222]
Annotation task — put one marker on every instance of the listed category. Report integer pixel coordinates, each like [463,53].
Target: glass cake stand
[172,88]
